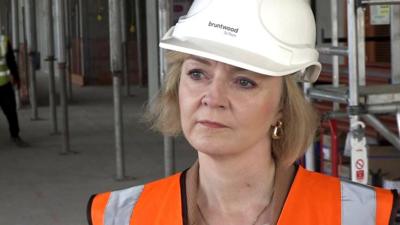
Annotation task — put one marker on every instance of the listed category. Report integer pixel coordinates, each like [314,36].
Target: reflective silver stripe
[358,204]
[120,206]
[3,46]
[4,73]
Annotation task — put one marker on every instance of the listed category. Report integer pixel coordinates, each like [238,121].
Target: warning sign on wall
[380,14]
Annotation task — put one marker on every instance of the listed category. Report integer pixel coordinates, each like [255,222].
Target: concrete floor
[38,186]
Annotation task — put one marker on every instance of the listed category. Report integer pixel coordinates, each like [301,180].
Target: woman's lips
[211,124]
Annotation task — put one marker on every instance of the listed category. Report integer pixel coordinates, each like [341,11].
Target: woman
[231,90]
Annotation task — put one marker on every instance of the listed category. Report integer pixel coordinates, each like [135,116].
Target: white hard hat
[271,37]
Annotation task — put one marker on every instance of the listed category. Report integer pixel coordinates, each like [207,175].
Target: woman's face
[225,109]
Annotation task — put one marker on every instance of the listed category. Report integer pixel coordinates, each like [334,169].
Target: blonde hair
[298,116]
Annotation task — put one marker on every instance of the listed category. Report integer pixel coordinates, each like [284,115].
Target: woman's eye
[196,74]
[246,83]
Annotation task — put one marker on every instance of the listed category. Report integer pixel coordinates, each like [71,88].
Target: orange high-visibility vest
[313,199]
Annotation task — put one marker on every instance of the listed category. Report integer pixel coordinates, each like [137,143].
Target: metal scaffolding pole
[5,16]
[381,128]
[164,21]
[61,55]
[382,108]
[335,80]
[310,156]
[25,44]
[31,38]
[361,46]
[323,95]
[357,140]
[139,42]
[116,70]
[395,50]
[380,2]
[82,26]
[153,66]
[352,46]
[124,48]
[50,59]
[335,44]
[68,31]
[333,51]
[395,43]
[15,42]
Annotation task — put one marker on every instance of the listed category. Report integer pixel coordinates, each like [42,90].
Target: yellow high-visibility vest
[4,70]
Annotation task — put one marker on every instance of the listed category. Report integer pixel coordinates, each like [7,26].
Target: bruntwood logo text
[223,27]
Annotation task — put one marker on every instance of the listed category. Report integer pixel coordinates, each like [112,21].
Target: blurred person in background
[9,77]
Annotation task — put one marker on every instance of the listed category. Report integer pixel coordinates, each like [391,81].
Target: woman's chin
[218,143]
[215,149]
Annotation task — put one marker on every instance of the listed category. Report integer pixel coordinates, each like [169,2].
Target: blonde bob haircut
[298,116]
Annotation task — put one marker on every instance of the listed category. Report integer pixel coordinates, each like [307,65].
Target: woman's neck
[236,184]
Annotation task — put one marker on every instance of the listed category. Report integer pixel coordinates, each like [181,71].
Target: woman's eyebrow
[209,62]
[199,59]
[238,69]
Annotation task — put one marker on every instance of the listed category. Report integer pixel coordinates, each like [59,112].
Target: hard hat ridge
[271,37]
[295,21]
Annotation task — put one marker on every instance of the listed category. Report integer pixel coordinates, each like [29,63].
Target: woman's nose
[216,95]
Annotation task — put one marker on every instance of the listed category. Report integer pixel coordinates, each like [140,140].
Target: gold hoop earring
[277,131]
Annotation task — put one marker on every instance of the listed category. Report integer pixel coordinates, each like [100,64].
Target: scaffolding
[363,102]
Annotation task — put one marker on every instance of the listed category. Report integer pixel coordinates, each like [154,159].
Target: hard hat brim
[237,57]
